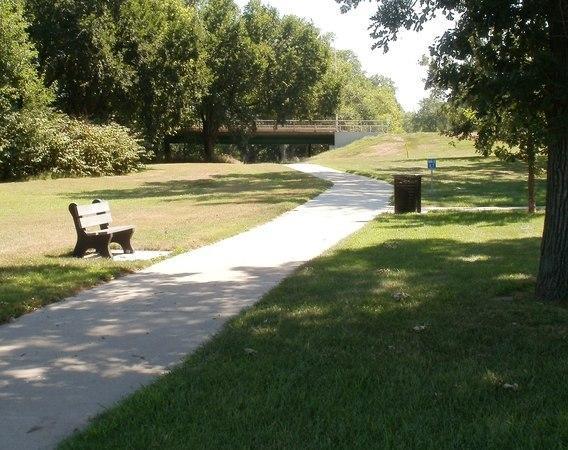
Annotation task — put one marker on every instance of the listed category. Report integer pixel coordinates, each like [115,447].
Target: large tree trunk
[552,283]
[531,163]
[250,154]
[167,150]
[208,146]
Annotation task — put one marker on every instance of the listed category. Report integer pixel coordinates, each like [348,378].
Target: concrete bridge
[336,133]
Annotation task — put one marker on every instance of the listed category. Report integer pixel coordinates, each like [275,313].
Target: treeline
[89,86]
[365,97]
[433,115]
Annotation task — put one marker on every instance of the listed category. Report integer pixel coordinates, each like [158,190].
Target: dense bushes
[34,139]
[36,143]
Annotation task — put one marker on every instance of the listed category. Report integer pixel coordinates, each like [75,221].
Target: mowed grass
[418,332]
[464,178]
[174,207]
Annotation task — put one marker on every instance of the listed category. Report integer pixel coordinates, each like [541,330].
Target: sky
[350,31]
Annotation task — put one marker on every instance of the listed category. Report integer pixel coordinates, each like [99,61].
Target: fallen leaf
[420,327]
[250,351]
[512,387]
[399,296]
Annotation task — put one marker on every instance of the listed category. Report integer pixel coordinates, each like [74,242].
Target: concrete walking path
[66,363]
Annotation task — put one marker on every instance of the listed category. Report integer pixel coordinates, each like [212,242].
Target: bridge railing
[332,126]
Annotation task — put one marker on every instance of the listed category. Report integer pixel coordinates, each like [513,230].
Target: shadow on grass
[338,362]
[469,218]
[24,288]
[219,189]
[496,183]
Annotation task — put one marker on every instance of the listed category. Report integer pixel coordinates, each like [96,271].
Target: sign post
[432,166]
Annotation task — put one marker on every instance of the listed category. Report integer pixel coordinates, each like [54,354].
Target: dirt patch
[392,147]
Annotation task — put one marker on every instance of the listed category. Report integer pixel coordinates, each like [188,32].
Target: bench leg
[102,246]
[80,248]
[123,239]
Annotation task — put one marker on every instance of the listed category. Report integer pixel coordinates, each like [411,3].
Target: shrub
[97,150]
[43,142]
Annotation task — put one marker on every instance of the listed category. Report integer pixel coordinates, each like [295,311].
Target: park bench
[92,223]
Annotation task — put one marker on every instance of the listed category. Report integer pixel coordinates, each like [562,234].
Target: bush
[47,143]
[97,150]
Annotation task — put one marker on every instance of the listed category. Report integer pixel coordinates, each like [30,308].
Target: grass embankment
[463,178]
[174,207]
[418,332]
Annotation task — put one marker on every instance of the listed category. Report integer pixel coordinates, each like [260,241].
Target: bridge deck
[321,132]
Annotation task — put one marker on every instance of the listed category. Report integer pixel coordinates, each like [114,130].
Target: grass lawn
[464,359]
[174,207]
[463,178]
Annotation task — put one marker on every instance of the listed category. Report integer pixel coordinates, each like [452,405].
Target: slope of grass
[174,207]
[418,332]
[463,178]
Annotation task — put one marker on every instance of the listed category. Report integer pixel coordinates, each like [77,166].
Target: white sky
[350,30]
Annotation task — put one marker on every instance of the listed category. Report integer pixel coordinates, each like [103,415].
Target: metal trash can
[407,194]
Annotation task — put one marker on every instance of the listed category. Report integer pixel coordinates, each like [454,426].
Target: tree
[297,79]
[523,49]
[77,45]
[262,65]
[23,95]
[431,115]
[135,61]
[302,62]
[364,97]
[21,87]
[162,43]
[231,57]
[508,132]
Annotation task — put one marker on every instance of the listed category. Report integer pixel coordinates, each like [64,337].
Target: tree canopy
[20,83]
[161,67]
[366,97]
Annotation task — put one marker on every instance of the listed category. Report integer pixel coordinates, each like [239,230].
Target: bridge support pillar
[284,153]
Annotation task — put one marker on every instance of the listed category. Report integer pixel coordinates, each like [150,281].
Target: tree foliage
[364,97]
[161,67]
[235,67]
[161,41]
[21,86]
[262,65]
[33,138]
[431,116]
[77,45]
[136,61]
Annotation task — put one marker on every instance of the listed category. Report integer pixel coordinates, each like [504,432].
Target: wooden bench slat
[95,208]
[93,221]
[110,230]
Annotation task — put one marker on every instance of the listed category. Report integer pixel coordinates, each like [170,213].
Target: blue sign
[432,164]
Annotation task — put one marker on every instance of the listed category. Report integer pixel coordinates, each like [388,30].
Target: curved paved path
[68,362]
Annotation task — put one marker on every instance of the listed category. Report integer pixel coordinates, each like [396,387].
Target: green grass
[463,178]
[174,207]
[339,364]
